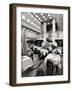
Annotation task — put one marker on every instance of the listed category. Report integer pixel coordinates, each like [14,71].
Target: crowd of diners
[50,54]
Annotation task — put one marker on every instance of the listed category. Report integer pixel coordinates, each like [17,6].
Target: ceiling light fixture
[31,15]
[49,15]
[45,19]
[38,21]
[34,18]
[43,16]
[34,24]
[28,20]
[39,18]
[36,15]
[31,22]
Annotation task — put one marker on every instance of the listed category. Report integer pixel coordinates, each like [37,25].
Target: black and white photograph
[41,44]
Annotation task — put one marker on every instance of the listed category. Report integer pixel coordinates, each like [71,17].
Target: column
[44,31]
[53,30]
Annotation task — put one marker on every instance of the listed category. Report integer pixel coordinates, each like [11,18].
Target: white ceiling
[47,17]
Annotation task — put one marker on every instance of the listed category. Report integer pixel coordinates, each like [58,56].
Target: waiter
[53,62]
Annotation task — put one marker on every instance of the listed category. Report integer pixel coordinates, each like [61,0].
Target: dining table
[26,62]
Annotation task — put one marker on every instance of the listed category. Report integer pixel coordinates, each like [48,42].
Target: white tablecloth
[26,62]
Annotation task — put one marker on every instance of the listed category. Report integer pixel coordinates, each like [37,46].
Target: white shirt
[43,51]
[55,58]
[49,56]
